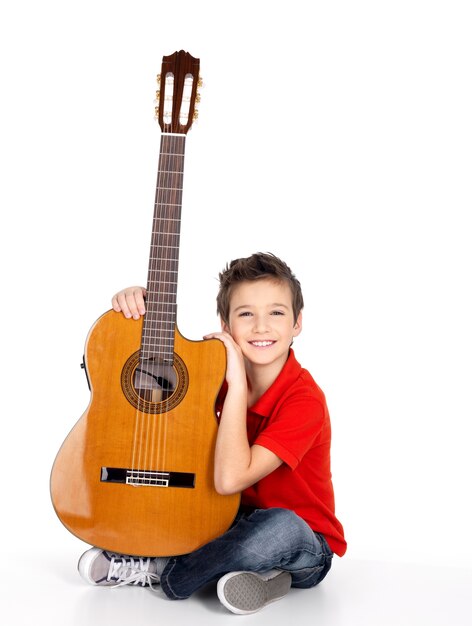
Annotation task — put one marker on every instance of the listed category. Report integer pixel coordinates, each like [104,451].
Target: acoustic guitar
[135,474]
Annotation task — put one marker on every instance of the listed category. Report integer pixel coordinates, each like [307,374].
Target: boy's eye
[245,314]
[278,313]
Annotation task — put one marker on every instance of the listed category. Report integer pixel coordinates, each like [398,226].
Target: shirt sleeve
[295,428]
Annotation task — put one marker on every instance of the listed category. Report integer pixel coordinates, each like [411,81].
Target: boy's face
[261,320]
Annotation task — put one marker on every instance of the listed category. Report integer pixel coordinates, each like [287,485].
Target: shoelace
[130,571]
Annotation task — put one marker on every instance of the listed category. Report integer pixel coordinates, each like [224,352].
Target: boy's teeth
[262,344]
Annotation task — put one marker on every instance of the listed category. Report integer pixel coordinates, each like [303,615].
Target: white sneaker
[99,567]
[248,592]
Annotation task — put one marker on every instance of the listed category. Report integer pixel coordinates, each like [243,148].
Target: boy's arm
[237,464]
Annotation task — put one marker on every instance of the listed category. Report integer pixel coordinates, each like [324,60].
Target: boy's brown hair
[257,266]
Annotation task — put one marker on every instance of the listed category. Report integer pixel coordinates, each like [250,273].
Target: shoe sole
[248,592]
[85,563]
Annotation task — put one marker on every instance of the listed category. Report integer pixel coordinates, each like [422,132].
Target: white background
[335,134]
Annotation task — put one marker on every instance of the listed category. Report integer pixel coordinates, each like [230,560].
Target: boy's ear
[297,329]
[224,326]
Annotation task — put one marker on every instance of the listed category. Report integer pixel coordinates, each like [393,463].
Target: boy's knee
[271,538]
[283,525]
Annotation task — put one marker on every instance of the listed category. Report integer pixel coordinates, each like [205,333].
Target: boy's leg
[263,540]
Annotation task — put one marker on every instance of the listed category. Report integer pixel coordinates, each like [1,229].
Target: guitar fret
[161,303]
[167,333]
[155,318]
[164,355]
[158,345]
[157,330]
[168,341]
[155,245]
[165,293]
[168,237]
[172,232]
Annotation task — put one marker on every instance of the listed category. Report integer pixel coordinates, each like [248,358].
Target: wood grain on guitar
[135,474]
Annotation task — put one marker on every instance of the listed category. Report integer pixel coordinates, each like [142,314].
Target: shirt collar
[288,375]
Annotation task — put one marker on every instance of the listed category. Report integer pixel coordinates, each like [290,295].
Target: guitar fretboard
[161,303]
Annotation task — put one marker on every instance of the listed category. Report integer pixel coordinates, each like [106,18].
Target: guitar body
[150,516]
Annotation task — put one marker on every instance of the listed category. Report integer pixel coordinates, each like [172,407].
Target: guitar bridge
[147,478]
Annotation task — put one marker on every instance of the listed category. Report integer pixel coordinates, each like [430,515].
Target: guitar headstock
[177,95]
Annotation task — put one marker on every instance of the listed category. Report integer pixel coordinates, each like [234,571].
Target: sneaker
[99,567]
[248,592]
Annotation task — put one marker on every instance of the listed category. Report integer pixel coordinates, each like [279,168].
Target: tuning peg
[158,79]
[156,113]
[200,82]
[195,115]
[158,95]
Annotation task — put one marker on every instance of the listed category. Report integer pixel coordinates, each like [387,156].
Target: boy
[273,446]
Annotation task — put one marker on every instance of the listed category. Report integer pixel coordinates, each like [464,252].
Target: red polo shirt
[291,419]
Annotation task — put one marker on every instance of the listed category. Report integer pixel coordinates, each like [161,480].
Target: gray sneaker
[109,569]
[248,592]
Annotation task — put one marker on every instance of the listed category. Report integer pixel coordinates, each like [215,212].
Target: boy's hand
[235,369]
[130,302]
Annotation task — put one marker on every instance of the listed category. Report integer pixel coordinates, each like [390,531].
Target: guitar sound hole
[154,386]
[154,381]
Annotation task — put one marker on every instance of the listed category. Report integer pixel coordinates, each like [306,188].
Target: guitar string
[159,277]
[141,436]
[163,273]
[156,285]
[174,174]
[175,211]
[152,312]
[162,278]
[141,378]
[166,291]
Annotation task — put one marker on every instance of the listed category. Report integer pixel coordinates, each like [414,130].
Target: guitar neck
[161,302]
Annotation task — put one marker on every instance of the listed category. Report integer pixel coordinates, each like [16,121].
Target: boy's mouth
[262,344]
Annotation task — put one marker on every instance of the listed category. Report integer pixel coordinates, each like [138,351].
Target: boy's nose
[260,324]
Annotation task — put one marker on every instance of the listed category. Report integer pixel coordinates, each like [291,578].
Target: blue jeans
[258,541]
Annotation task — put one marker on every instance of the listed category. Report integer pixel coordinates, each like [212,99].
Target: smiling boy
[273,446]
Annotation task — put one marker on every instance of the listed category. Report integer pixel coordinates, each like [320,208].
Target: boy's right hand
[130,302]
[235,368]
